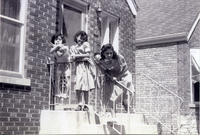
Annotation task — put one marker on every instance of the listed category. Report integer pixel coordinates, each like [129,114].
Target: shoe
[79,108]
[85,108]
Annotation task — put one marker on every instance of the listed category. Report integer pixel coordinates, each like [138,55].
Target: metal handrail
[160,85]
[167,90]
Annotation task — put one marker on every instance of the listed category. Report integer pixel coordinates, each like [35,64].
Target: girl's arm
[54,48]
[83,52]
[123,64]
[81,55]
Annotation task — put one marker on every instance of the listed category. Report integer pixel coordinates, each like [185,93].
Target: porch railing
[62,93]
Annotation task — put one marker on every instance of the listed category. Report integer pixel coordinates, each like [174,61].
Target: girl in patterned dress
[85,74]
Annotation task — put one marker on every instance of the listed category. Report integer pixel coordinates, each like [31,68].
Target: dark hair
[54,37]
[83,35]
[105,48]
[97,53]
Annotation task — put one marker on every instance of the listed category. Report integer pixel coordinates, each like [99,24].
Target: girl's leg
[125,100]
[86,95]
[78,96]
[79,100]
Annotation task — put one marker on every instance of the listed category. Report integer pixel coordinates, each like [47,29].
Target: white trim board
[132,7]
[177,37]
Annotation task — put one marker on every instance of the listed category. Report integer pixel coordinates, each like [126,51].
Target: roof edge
[132,6]
[189,35]
[169,38]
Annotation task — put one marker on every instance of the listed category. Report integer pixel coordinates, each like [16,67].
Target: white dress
[85,73]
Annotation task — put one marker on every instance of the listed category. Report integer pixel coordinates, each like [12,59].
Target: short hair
[54,37]
[105,48]
[83,35]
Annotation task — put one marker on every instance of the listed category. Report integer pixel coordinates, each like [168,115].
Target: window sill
[14,80]
[194,105]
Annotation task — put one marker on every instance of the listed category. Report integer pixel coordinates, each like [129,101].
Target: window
[110,30]
[195,74]
[75,18]
[12,20]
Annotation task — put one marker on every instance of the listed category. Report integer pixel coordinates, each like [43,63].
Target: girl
[81,53]
[58,49]
[61,76]
[116,70]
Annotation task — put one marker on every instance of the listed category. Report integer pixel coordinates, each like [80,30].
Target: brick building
[26,29]
[167,64]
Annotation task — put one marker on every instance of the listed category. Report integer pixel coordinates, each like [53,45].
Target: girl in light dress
[85,70]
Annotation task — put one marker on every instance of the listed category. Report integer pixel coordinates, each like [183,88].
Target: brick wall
[184,75]
[169,65]
[21,106]
[126,30]
[126,27]
[157,65]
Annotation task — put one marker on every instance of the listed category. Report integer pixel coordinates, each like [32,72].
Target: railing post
[128,111]
[70,89]
[50,87]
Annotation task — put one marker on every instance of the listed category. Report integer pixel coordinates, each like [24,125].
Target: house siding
[21,105]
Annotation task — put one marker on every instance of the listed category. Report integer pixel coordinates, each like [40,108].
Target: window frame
[193,103]
[13,77]
[110,18]
[80,6]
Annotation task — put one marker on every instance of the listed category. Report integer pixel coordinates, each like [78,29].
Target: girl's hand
[60,45]
[115,78]
[60,53]
[73,51]
[72,57]
[52,45]
[85,59]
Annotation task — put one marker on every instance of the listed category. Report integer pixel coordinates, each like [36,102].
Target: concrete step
[141,130]
[64,122]
[133,119]
[59,122]
[135,124]
[123,118]
[81,129]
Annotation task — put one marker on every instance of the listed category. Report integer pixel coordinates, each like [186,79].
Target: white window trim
[11,77]
[11,19]
[193,104]
[106,37]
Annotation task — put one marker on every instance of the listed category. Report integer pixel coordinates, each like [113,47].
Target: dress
[85,74]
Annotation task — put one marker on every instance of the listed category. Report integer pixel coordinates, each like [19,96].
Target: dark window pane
[72,23]
[10,8]
[196,92]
